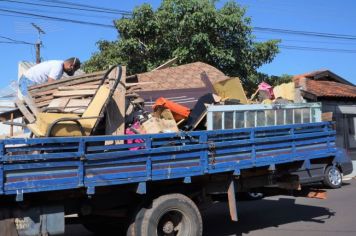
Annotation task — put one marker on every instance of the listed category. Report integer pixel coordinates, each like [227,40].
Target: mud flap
[231,194]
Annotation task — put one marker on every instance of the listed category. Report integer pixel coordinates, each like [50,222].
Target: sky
[300,53]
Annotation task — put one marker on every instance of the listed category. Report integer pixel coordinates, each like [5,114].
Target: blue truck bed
[49,164]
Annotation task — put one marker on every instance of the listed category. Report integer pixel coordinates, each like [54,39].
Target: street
[280,215]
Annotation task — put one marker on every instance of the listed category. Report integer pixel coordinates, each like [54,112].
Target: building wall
[345,123]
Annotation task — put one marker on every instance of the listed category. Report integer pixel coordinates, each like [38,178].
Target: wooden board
[84,92]
[115,114]
[27,114]
[77,105]
[80,79]
[78,87]
[59,103]
[29,101]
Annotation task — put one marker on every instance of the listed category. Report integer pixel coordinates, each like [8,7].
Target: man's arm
[50,79]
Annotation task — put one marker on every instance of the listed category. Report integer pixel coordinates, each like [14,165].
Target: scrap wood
[59,103]
[285,90]
[231,89]
[128,85]
[78,87]
[80,79]
[116,110]
[27,114]
[7,115]
[166,64]
[156,125]
[254,94]
[84,92]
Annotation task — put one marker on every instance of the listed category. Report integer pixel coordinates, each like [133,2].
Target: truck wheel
[168,215]
[332,177]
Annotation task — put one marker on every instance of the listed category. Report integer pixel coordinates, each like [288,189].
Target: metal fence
[259,115]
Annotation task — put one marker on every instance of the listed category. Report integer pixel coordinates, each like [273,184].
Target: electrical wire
[66,3]
[301,48]
[306,33]
[58,19]
[10,40]
[54,12]
[65,7]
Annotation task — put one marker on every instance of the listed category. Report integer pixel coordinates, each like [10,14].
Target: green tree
[191,30]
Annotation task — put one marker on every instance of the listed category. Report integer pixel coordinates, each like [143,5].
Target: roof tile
[180,77]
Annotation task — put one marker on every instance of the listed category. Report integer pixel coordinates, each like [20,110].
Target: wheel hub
[334,177]
[168,227]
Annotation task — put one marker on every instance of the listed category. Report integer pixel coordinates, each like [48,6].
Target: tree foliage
[191,30]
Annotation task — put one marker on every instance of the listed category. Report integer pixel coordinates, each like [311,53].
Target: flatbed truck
[157,186]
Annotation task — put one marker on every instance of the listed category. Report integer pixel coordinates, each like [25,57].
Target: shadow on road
[255,215]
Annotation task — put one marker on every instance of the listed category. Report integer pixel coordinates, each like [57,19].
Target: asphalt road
[280,216]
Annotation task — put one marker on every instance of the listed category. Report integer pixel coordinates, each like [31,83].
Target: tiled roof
[309,74]
[181,77]
[326,88]
[323,75]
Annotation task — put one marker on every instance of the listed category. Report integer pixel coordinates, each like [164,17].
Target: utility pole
[38,44]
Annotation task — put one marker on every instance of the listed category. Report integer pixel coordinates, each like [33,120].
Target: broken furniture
[231,89]
[64,124]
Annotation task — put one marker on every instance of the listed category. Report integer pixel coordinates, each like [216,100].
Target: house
[337,95]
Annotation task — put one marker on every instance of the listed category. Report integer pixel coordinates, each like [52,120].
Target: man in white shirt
[46,71]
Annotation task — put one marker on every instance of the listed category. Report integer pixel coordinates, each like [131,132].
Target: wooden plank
[28,115]
[115,112]
[59,103]
[30,102]
[46,102]
[70,80]
[12,126]
[67,83]
[85,92]
[138,84]
[43,93]
[77,105]
[44,98]
[7,114]
[78,102]
[167,64]
[78,87]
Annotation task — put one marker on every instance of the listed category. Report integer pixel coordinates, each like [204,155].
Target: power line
[306,33]
[59,19]
[65,7]
[84,5]
[7,42]
[263,29]
[61,13]
[15,41]
[317,49]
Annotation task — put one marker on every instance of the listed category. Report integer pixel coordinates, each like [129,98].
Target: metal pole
[38,52]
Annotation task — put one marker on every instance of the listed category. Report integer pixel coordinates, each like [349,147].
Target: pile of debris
[164,100]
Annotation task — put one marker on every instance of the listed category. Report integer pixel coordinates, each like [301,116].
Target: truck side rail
[49,164]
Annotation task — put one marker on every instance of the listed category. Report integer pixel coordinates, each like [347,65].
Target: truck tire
[171,214]
[332,177]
